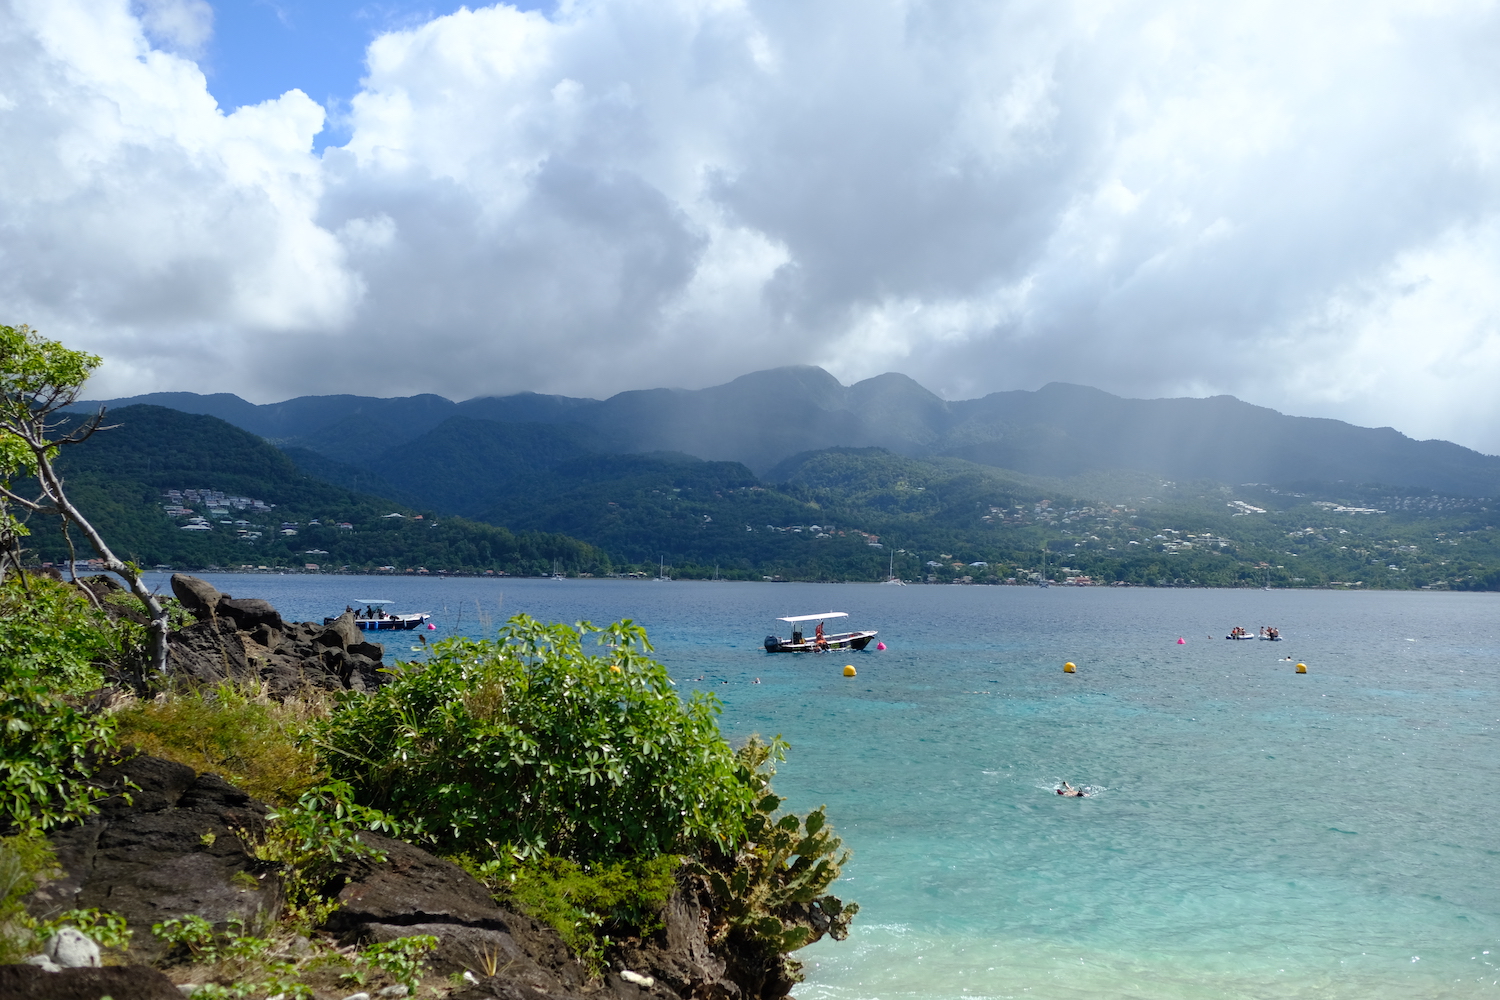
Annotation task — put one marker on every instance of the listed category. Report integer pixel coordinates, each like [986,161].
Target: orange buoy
[1070,667]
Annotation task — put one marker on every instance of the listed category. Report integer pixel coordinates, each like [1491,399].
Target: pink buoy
[1181,641]
[432,626]
[880,645]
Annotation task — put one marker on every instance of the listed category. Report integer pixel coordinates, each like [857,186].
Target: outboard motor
[772,641]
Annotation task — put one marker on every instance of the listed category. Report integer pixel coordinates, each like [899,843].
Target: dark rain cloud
[1293,203]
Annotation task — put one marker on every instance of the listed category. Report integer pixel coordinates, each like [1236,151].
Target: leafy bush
[311,838]
[587,904]
[106,928]
[401,959]
[532,744]
[51,623]
[235,732]
[50,641]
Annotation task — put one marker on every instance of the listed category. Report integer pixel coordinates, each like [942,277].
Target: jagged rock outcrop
[171,848]
[242,639]
[680,956]
[414,892]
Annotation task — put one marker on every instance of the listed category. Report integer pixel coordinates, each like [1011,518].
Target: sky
[1297,204]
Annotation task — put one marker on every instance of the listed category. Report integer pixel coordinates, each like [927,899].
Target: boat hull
[391,623]
[843,640]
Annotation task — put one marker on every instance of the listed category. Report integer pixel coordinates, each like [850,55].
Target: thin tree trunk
[126,571]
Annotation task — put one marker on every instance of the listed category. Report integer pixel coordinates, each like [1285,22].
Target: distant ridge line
[763,418]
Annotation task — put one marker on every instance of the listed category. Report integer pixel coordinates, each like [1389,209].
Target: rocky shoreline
[169,841]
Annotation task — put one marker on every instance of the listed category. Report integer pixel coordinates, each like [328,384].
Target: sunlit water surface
[1252,833]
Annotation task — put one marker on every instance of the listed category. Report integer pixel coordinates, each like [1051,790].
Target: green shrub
[50,642]
[309,839]
[53,626]
[237,733]
[589,905]
[401,959]
[532,744]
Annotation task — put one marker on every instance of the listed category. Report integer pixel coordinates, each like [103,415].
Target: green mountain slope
[121,479]
[849,514]
[548,492]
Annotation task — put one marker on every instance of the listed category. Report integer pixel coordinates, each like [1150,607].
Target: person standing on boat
[818,639]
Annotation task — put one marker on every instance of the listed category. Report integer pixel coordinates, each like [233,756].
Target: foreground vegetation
[575,784]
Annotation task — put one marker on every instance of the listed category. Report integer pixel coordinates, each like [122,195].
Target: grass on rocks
[236,732]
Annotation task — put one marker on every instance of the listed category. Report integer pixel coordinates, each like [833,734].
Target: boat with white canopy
[370,615]
[821,640]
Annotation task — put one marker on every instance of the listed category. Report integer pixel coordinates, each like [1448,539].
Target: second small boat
[821,641]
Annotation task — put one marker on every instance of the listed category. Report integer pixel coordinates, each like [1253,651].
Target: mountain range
[766,418]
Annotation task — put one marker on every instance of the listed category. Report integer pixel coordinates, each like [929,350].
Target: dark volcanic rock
[120,982]
[243,639]
[248,613]
[411,887]
[174,849]
[680,956]
[413,893]
[199,596]
[208,652]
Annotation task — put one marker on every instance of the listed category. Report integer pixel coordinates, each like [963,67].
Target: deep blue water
[1253,832]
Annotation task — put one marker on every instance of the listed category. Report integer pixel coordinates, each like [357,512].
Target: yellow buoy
[1069,668]
[849,670]
[1301,668]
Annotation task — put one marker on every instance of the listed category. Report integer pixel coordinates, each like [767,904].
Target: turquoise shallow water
[1253,833]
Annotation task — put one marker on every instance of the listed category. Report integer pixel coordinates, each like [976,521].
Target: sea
[1250,831]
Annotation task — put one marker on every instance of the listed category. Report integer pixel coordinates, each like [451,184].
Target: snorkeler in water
[1069,791]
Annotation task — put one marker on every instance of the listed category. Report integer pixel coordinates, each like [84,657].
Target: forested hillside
[191,491]
[539,493]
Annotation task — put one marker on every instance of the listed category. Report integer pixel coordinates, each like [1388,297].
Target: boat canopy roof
[812,618]
[366,600]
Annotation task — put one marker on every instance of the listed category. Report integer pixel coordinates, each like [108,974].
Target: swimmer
[1068,791]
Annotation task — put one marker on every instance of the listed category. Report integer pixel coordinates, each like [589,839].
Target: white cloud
[139,221]
[1296,203]
[182,26]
